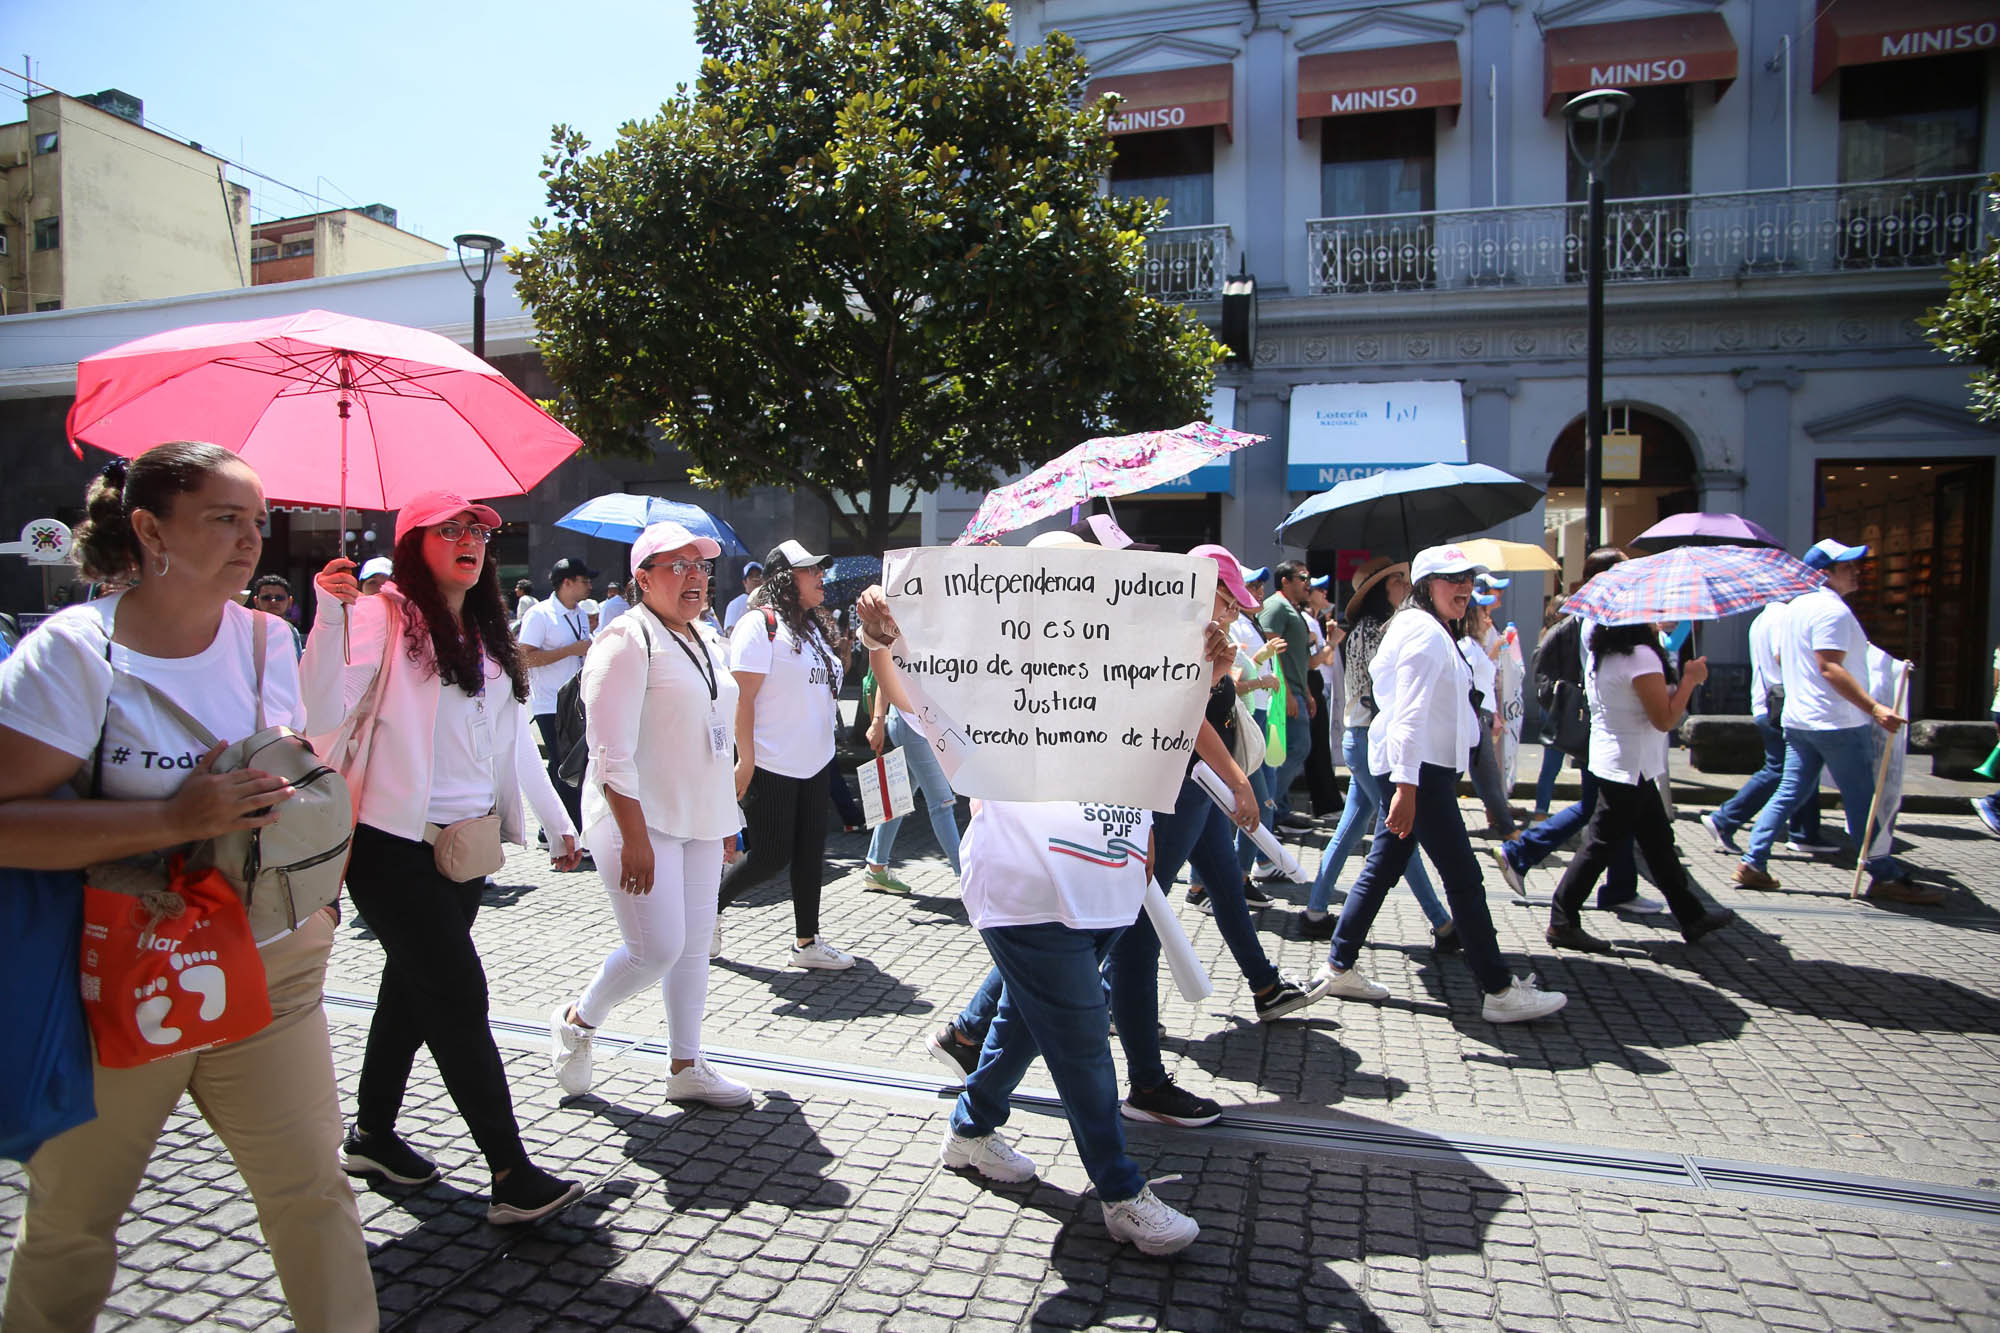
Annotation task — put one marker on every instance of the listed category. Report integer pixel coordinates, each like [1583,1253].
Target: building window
[293,249]
[1908,119]
[1654,163]
[45,143]
[263,254]
[1175,165]
[1376,164]
[48,233]
[48,305]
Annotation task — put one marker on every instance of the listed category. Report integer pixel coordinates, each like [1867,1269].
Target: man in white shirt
[1767,704]
[753,579]
[613,606]
[1827,714]
[555,635]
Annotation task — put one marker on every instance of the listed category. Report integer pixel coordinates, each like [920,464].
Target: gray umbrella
[1401,511]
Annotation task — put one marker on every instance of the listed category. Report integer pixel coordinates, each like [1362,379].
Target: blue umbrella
[1403,510]
[622,516]
[849,575]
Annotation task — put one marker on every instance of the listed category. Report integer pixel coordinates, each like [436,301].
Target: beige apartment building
[326,245]
[95,208]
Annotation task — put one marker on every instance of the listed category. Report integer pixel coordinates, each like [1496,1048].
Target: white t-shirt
[1246,634]
[1484,673]
[1765,630]
[1625,746]
[795,708]
[610,609]
[1032,862]
[547,625]
[1820,620]
[55,685]
[462,750]
[737,606]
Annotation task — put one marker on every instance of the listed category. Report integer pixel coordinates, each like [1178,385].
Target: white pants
[667,932]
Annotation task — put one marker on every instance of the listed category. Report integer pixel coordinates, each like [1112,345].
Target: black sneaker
[1198,896]
[386,1156]
[1711,921]
[952,1053]
[1255,896]
[1445,940]
[1171,1104]
[1281,999]
[1563,936]
[1317,929]
[529,1194]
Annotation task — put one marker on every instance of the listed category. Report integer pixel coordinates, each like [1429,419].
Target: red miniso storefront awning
[1172,99]
[1864,32]
[1387,78]
[1639,53]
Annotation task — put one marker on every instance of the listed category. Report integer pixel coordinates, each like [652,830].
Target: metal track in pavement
[1632,1165]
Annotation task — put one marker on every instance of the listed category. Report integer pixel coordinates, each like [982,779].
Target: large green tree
[870,249]
[1967,326]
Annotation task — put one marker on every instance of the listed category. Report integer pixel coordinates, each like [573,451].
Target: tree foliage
[869,249]
[1967,326]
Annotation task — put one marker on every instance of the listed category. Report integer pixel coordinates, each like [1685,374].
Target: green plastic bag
[1274,724]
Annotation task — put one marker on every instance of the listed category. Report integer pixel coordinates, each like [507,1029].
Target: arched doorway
[1668,482]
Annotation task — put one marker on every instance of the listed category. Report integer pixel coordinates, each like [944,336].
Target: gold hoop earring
[165,561]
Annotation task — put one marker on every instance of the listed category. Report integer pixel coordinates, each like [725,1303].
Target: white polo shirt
[548,625]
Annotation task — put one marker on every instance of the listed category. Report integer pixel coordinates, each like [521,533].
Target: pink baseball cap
[670,536]
[1229,572]
[436,506]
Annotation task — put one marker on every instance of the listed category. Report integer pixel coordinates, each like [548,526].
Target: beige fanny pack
[468,849]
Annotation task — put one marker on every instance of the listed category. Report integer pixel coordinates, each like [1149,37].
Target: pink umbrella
[1114,465]
[329,409]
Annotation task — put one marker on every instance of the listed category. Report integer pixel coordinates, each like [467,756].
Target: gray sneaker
[1724,839]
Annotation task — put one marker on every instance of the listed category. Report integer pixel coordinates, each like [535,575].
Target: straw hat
[1370,574]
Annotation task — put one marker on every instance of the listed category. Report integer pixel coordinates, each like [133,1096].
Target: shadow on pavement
[831,997]
[1220,1054]
[1757,966]
[712,1158]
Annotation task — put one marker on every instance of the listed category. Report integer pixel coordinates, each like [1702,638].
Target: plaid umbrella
[1692,583]
[1113,465]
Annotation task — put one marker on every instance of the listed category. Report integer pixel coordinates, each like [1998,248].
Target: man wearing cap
[555,635]
[1323,680]
[753,579]
[1828,712]
[1281,617]
[374,573]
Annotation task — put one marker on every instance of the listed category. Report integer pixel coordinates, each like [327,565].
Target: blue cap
[1493,581]
[1261,574]
[1323,581]
[1828,553]
[1483,599]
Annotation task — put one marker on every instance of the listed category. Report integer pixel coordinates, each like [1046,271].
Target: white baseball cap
[380,564]
[794,554]
[1443,560]
[1828,553]
[1060,537]
[670,536]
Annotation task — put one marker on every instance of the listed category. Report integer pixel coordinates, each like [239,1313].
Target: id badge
[718,737]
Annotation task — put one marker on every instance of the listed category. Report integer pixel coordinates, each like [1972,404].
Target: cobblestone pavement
[1818,1033]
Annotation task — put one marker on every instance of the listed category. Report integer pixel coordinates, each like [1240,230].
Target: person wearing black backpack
[1566,725]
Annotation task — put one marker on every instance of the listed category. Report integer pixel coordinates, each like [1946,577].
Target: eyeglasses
[274,597]
[680,568]
[458,532]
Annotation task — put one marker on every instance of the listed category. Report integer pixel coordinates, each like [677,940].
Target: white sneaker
[820,954]
[569,1052]
[1644,904]
[1522,1001]
[1807,847]
[988,1154]
[1348,985]
[1151,1226]
[1267,872]
[1725,841]
[715,944]
[1508,873]
[702,1082]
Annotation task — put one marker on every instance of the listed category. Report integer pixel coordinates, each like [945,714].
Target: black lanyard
[702,665]
[576,635]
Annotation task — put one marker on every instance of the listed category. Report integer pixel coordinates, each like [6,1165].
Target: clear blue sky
[402,102]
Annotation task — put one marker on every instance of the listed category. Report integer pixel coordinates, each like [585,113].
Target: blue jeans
[1053,1005]
[1246,850]
[1441,830]
[1364,803]
[1545,783]
[1198,831]
[1844,752]
[977,1016]
[1744,807]
[1298,745]
[1130,973]
[939,800]
[1530,849]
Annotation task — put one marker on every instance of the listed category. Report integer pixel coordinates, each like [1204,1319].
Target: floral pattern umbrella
[1113,465]
[1692,583]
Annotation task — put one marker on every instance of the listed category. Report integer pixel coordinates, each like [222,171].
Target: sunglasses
[1455,580]
[458,532]
[274,597]
[680,568]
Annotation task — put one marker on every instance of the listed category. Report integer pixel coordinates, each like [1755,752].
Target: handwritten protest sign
[1056,673]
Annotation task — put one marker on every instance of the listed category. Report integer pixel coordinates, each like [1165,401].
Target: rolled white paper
[1190,977]
[1274,851]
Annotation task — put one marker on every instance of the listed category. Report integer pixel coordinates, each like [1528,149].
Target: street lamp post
[476,250]
[1595,120]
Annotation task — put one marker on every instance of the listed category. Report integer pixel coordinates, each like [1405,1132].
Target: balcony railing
[1186,263]
[1817,229]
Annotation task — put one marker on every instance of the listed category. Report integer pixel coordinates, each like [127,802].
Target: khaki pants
[272,1101]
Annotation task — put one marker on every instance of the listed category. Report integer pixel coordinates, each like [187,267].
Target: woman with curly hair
[451,757]
[788,681]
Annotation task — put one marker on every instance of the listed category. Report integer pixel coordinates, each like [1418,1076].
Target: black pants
[1441,830]
[845,803]
[433,993]
[1320,781]
[1625,814]
[784,825]
[571,797]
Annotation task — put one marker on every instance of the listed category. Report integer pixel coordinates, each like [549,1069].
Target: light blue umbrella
[1401,511]
[622,516]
